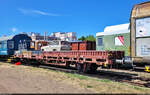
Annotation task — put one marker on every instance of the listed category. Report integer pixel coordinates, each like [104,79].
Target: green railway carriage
[114,38]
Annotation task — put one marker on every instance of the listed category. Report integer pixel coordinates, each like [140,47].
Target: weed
[89,86]
[137,88]
[104,80]
[78,76]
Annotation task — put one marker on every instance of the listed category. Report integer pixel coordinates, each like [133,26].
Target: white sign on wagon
[143,27]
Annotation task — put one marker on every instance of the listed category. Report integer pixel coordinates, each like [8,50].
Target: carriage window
[11,44]
[54,50]
[119,41]
[0,44]
[100,41]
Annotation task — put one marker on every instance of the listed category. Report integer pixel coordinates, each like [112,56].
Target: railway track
[133,79]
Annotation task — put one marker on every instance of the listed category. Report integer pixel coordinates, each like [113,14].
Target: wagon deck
[90,58]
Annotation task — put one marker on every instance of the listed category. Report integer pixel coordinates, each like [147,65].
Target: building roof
[115,29]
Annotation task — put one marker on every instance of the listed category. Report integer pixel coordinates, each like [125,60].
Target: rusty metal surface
[85,45]
[98,57]
[39,44]
[141,10]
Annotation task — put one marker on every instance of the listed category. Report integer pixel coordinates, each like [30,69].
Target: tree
[87,38]
[90,38]
[82,38]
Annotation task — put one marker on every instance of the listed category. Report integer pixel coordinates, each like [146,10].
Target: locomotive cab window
[0,44]
[100,41]
[11,44]
[119,40]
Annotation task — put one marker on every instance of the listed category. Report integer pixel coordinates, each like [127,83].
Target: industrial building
[65,36]
[39,37]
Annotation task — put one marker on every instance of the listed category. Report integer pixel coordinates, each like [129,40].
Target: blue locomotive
[10,44]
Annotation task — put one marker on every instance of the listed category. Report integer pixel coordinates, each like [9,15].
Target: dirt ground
[20,79]
[26,79]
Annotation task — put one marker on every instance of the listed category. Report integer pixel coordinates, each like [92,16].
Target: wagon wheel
[67,64]
[86,67]
[93,67]
[79,67]
[36,63]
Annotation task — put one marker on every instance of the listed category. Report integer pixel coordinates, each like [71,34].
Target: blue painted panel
[3,52]
[3,48]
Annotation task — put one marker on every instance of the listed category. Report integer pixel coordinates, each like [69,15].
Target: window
[142,27]
[0,44]
[32,44]
[100,41]
[4,44]
[119,41]
[11,44]
[54,50]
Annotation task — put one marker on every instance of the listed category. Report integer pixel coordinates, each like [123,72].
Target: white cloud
[26,11]
[14,29]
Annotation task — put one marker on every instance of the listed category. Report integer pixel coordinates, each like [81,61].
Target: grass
[81,77]
[95,84]
[89,86]
[138,88]
[105,80]
[106,85]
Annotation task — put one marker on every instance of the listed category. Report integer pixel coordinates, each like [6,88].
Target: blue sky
[86,17]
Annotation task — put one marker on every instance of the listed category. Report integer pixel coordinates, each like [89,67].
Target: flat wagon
[83,60]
